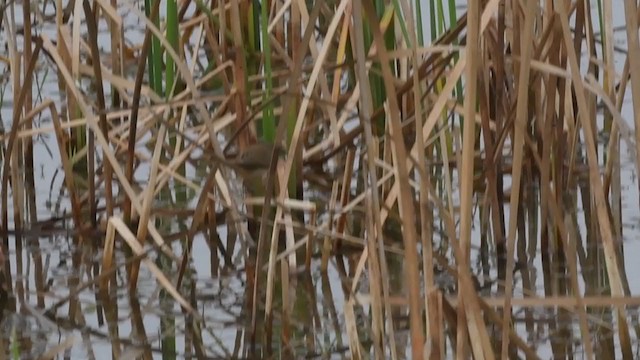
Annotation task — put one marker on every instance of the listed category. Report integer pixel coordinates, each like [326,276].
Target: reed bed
[426,184]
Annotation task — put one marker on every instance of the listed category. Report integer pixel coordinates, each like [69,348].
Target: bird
[255,157]
[252,163]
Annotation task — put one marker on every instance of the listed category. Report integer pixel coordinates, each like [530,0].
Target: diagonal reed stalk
[405,162]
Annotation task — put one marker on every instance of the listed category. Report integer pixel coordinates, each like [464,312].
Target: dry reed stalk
[133,126]
[62,139]
[12,152]
[131,240]
[117,46]
[92,30]
[313,221]
[288,298]
[92,123]
[13,144]
[405,199]
[526,52]
[137,323]
[494,196]
[147,203]
[633,58]
[463,277]
[375,220]
[327,248]
[239,63]
[28,171]
[596,186]
[569,239]
[107,258]
[289,236]
[470,321]
[433,319]
[345,196]
[294,140]
[435,348]
[201,112]
[355,346]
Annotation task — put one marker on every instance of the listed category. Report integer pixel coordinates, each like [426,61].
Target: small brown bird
[251,163]
[255,157]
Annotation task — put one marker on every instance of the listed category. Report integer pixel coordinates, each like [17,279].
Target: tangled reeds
[425,184]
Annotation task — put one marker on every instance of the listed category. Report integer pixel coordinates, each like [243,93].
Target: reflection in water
[126,235]
[60,280]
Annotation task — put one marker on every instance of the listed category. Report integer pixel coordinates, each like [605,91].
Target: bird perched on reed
[256,157]
[252,163]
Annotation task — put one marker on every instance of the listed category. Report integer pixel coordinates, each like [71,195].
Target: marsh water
[54,307]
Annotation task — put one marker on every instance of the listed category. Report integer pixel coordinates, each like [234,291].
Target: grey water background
[222,313]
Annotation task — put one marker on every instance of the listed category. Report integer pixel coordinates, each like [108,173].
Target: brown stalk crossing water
[456,186]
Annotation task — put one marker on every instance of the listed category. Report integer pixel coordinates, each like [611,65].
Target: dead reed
[481,157]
